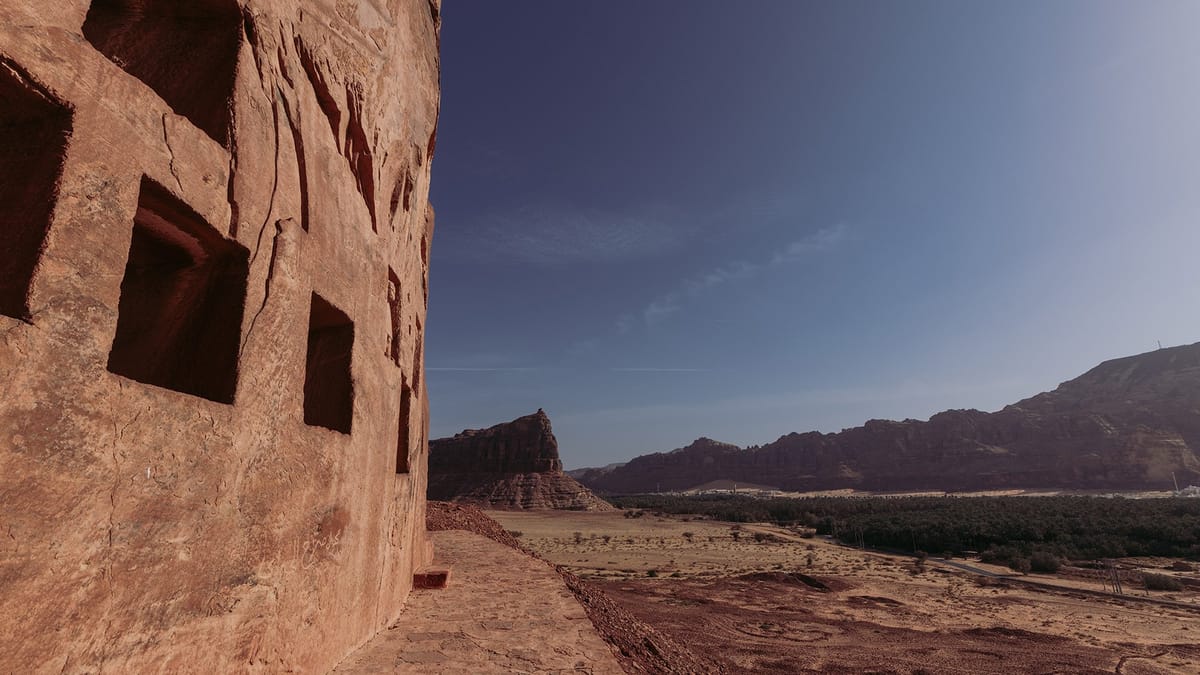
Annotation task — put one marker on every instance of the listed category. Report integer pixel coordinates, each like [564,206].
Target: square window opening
[34,129]
[185,51]
[328,386]
[180,314]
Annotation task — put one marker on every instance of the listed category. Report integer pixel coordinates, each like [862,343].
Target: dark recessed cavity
[180,314]
[404,441]
[393,298]
[185,51]
[33,139]
[328,387]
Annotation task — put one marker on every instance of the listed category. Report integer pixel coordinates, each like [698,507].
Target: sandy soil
[746,603]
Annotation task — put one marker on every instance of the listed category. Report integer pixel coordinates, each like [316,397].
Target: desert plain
[757,598]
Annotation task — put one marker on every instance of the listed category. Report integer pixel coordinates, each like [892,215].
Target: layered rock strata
[212,417]
[1127,424]
[510,465]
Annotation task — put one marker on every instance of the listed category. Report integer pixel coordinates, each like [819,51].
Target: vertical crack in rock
[301,165]
[358,151]
[266,286]
[316,79]
[119,434]
[262,229]
[355,145]
[274,182]
[250,30]
[171,152]
[230,193]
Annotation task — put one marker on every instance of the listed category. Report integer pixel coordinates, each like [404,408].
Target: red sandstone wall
[163,503]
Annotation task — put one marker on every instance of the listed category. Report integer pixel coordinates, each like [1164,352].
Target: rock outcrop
[510,465]
[215,252]
[1127,424]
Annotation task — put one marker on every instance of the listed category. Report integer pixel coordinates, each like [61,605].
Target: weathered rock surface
[1126,424]
[215,229]
[510,465]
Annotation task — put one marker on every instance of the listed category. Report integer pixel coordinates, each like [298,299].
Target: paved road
[972,569]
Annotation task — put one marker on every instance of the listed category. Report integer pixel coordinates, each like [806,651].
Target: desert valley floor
[781,603]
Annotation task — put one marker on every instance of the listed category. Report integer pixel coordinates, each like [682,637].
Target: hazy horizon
[744,221]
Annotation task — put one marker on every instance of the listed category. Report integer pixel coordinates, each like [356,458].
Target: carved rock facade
[212,417]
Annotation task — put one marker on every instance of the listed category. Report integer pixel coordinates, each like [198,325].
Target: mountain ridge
[1127,423]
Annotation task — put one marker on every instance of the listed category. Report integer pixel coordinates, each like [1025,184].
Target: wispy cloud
[673,301]
[479,370]
[659,370]
[553,236]
[821,240]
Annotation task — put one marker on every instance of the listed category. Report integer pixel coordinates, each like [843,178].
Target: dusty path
[502,612]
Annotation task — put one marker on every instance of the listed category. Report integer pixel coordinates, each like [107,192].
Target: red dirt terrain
[640,648]
[770,624]
[790,604]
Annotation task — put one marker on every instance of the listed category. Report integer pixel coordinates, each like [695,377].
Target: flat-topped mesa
[509,465]
[524,445]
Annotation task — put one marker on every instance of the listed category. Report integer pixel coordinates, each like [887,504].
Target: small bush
[1044,562]
[1161,582]
[578,537]
[1021,565]
[651,573]
[516,533]
[688,536]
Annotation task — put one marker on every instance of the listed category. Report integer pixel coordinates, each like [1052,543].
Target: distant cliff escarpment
[1127,424]
[511,465]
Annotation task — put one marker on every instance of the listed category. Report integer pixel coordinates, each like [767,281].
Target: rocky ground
[764,600]
[640,647]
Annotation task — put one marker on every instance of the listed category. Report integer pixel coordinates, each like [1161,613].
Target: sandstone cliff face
[509,465]
[1126,424]
[212,292]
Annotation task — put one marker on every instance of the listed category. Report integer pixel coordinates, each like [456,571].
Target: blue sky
[666,220]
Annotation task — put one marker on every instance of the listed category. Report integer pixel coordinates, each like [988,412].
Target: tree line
[1000,528]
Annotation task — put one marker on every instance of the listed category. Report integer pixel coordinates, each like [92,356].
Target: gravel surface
[640,648]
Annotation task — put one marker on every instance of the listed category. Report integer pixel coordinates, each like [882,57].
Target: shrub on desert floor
[517,534]
[1161,582]
[1042,561]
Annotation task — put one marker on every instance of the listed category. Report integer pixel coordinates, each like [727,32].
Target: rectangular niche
[404,439]
[328,387]
[33,140]
[185,51]
[179,319]
[393,298]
